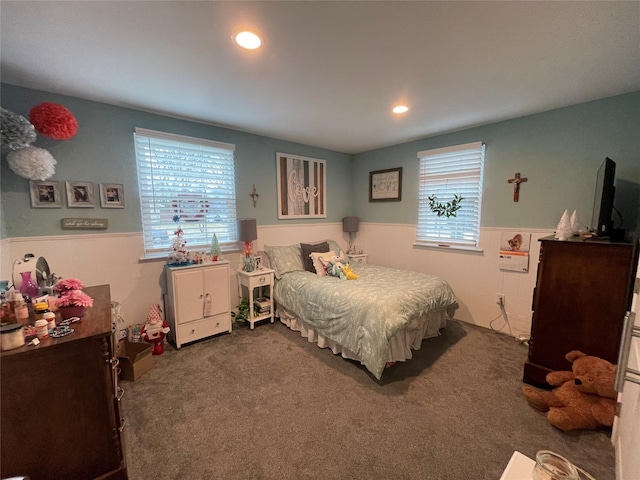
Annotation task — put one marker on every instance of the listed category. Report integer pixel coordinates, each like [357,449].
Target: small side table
[252,280]
[357,257]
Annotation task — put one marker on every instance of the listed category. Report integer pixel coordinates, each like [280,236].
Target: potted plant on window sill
[73,300]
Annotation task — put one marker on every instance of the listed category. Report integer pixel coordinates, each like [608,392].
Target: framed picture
[385,185]
[80,194]
[301,184]
[257,260]
[111,195]
[45,194]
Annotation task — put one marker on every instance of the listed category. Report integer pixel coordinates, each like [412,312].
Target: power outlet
[500,299]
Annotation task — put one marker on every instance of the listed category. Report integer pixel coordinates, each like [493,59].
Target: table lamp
[247,233]
[350,225]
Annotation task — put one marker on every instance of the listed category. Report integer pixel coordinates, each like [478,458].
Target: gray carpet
[266,404]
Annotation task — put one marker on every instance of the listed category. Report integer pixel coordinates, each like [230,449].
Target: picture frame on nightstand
[257,261]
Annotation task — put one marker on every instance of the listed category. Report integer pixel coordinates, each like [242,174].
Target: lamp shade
[247,229]
[350,224]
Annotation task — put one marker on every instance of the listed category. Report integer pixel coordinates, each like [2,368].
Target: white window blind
[445,172]
[187,178]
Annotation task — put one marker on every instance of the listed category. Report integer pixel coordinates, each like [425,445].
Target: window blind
[189,179]
[445,172]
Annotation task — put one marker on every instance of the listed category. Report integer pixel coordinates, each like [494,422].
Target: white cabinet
[198,301]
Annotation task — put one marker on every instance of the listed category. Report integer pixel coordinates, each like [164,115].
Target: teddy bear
[584,398]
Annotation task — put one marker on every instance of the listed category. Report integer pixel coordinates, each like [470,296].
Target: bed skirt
[401,343]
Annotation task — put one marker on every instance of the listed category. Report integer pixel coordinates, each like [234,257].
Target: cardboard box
[135,359]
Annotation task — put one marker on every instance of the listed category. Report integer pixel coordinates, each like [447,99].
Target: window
[446,172]
[189,179]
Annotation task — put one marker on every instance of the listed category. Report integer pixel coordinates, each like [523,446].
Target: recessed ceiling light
[400,109]
[248,40]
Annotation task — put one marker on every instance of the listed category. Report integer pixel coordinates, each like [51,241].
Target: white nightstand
[357,257]
[252,280]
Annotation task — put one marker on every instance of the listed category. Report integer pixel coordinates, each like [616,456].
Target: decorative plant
[242,314]
[448,209]
[71,294]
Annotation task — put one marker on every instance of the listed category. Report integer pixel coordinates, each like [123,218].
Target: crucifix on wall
[516,186]
[254,195]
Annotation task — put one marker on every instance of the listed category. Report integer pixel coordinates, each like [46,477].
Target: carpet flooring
[266,404]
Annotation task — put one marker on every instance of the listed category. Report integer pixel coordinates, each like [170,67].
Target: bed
[377,319]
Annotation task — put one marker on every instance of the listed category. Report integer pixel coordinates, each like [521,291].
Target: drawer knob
[262,279]
[193,330]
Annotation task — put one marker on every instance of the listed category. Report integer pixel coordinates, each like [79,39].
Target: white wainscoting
[113,259]
[475,277]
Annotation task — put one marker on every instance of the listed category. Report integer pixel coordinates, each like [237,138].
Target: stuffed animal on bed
[584,398]
[337,267]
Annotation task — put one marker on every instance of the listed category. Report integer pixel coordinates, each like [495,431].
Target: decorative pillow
[320,260]
[285,259]
[307,249]
[333,245]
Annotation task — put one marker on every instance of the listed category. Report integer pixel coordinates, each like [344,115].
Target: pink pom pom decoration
[54,121]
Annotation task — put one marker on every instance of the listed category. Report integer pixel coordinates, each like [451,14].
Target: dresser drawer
[205,327]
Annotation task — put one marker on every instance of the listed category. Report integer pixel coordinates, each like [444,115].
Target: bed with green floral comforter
[362,315]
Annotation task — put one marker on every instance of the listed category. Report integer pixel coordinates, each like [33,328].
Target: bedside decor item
[32,162]
[111,195]
[350,225]
[179,254]
[449,209]
[80,194]
[385,185]
[54,121]
[301,184]
[45,194]
[247,233]
[17,131]
[73,300]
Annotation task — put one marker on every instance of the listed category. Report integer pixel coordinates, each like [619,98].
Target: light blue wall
[559,152]
[102,152]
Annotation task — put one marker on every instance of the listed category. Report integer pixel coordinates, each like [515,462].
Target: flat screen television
[602,220]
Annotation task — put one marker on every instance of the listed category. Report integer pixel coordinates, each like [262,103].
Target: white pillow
[326,257]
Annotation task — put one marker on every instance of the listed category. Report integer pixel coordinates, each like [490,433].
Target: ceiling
[328,73]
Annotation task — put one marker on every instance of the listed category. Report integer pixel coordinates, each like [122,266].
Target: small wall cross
[516,186]
[254,195]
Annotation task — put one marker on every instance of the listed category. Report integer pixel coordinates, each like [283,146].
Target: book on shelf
[262,302]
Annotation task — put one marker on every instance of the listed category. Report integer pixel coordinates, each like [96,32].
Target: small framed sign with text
[385,185]
[84,223]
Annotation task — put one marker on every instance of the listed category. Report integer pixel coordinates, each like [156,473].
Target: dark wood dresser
[60,403]
[583,289]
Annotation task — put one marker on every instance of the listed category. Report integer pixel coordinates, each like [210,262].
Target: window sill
[440,246]
[162,257]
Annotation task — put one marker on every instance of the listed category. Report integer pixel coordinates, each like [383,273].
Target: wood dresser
[60,403]
[583,289]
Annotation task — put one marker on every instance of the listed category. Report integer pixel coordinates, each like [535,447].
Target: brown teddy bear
[584,398]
